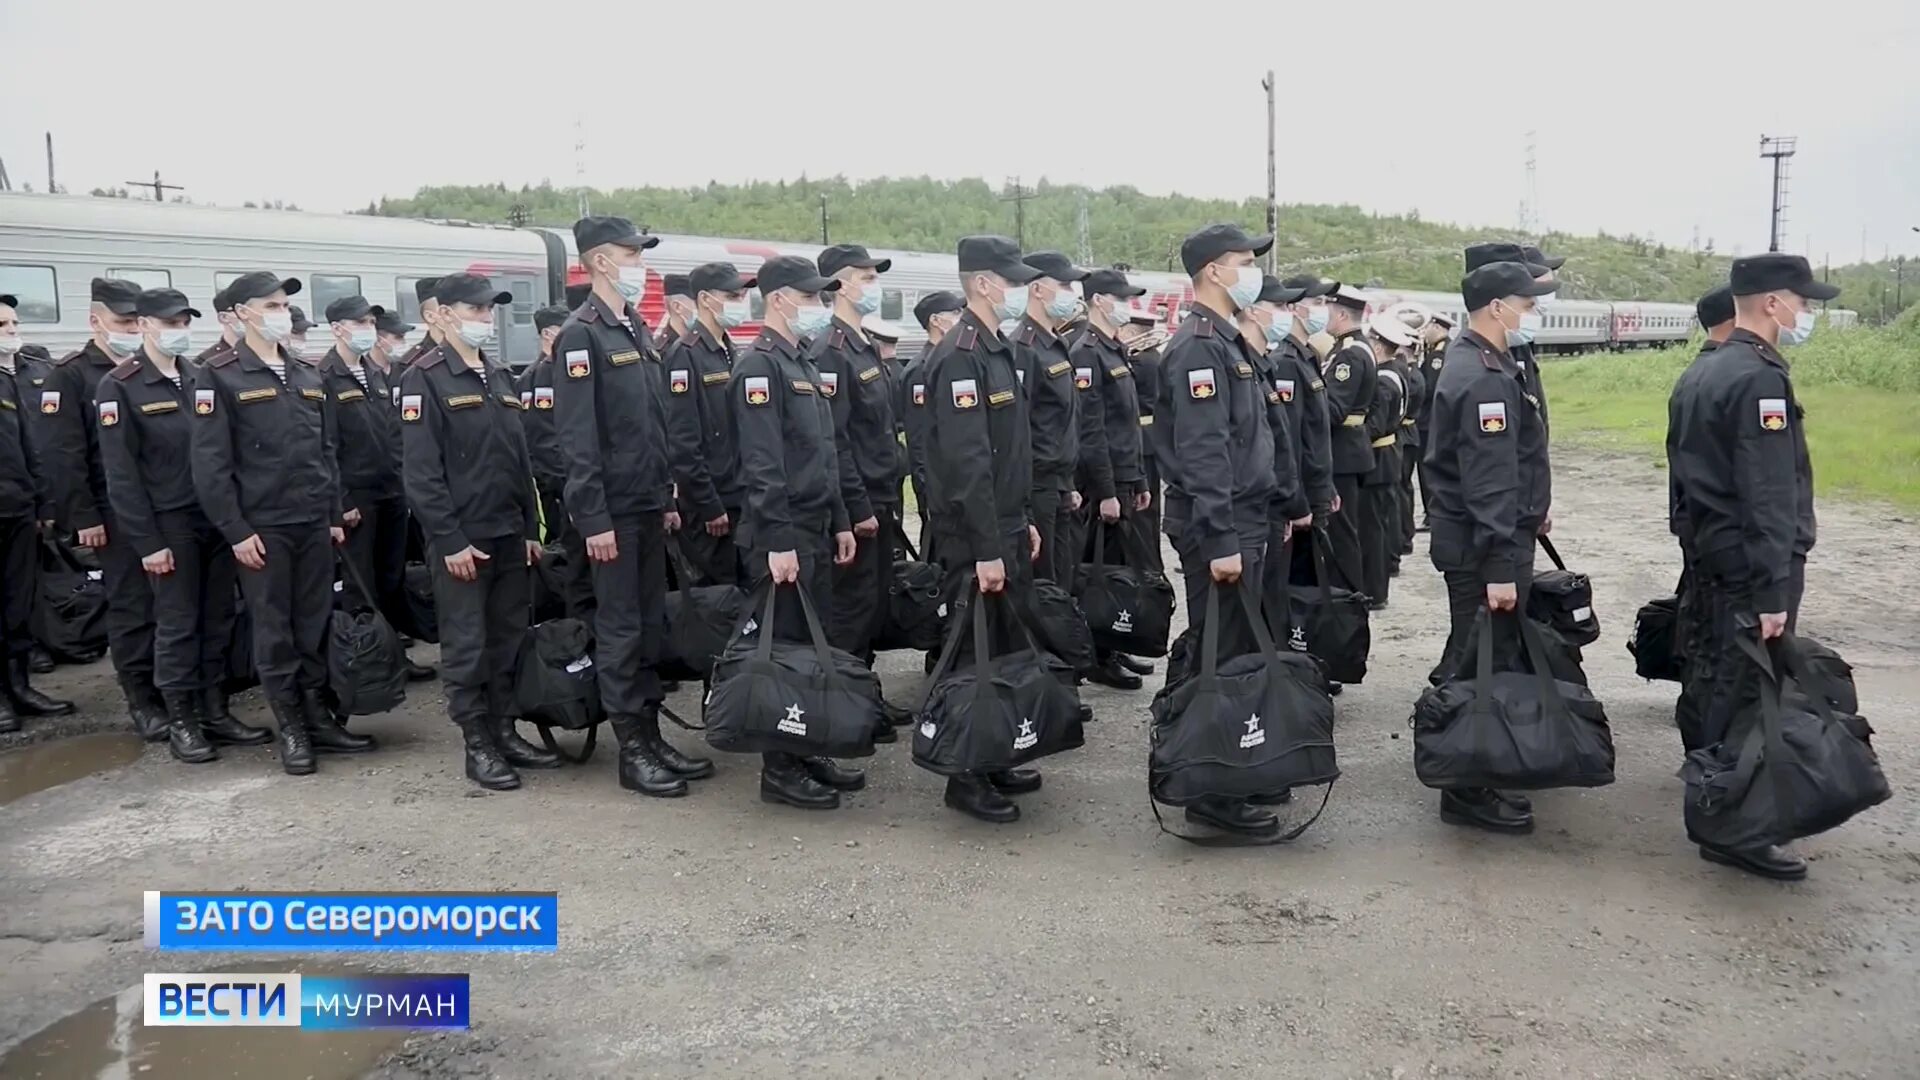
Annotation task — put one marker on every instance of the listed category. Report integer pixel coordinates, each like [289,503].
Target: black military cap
[1311,286]
[469,289]
[121,297]
[793,272]
[260,284]
[1715,308]
[1493,251]
[840,256]
[1210,243]
[1499,280]
[9,300]
[1534,255]
[161,304]
[1110,283]
[388,322]
[1275,291]
[350,308]
[676,285]
[1052,264]
[938,302]
[720,277]
[423,288]
[995,255]
[550,316]
[591,232]
[301,324]
[1773,272]
[223,300]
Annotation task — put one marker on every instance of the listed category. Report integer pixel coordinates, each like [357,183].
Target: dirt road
[715,935]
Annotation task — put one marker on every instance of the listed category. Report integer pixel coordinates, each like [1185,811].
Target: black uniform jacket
[1350,377]
[789,468]
[611,411]
[1288,500]
[859,391]
[1304,392]
[979,440]
[1110,410]
[368,423]
[468,476]
[23,488]
[1212,438]
[1383,423]
[263,447]
[1487,463]
[1052,402]
[146,444]
[700,431]
[69,438]
[536,419]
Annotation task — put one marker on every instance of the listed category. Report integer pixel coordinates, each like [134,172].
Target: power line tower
[1019,199]
[1780,149]
[159,189]
[1085,253]
[580,165]
[1530,206]
[1273,189]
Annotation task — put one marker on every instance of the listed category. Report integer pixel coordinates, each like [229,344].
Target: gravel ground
[715,935]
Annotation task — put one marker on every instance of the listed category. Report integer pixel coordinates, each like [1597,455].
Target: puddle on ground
[50,764]
[107,1040]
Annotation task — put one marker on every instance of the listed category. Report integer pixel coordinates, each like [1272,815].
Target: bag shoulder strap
[1553,553]
[1223,840]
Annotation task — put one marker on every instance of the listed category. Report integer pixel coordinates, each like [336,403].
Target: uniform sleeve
[30,452]
[1197,408]
[63,448]
[1095,455]
[1289,498]
[1350,396]
[133,515]
[330,451]
[1316,443]
[960,455]
[1490,474]
[1121,406]
[528,487]
[576,419]
[685,434]
[1383,410]
[763,457]
[853,490]
[214,479]
[423,468]
[1765,476]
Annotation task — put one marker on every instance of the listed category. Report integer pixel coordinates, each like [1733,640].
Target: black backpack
[1060,627]
[1792,768]
[1655,644]
[366,667]
[70,609]
[1129,608]
[556,686]
[1328,623]
[1258,725]
[1511,729]
[1563,600]
[913,619]
[804,698]
[1000,713]
[701,620]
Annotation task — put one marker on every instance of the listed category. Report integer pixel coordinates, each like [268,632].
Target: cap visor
[1018,273]
[290,286]
[1322,289]
[121,307]
[882,265]
[502,297]
[1287,296]
[1539,288]
[1124,292]
[1262,244]
[174,311]
[1818,290]
[1555,262]
[637,241]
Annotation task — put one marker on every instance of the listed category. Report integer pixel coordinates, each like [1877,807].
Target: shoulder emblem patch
[203,403]
[109,413]
[757,390]
[49,401]
[1773,413]
[1493,417]
[1285,387]
[830,383]
[678,380]
[410,407]
[1200,383]
[526,399]
[1342,371]
[919,393]
[965,394]
[1082,378]
[578,366]
[543,397]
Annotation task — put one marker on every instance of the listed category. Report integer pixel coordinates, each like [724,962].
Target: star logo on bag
[1297,638]
[791,723]
[1254,736]
[1124,623]
[1026,738]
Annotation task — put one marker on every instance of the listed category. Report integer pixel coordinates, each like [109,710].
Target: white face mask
[632,282]
[123,345]
[733,313]
[276,326]
[10,344]
[175,341]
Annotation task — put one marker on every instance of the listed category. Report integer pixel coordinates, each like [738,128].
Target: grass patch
[1861,391]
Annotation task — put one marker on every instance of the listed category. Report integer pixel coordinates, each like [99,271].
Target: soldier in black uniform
[1047,374]
[938,313]
[1350,376]
[470,481]
[1387,335]
[550,462]
[1142,338]
[1408,362]
[423,289]
[700,431]
[1272,318]
[1715,312]
[1304,388]
[392,331]
[1492,490]
[68,437]
[1434,341]
[297,344]
[610,409]
[146,431]
[680,312]
[265,470]
[1737,452]
[1521,346]
[24,511]
[230,330]
[794,526]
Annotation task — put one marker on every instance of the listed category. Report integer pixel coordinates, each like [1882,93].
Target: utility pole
[52,188]
[1899,284]
[1530,214]
[579,166]
[1273,191]
[1780,149]
[823,220]
[1086,236]
[1019,200]
[159,189]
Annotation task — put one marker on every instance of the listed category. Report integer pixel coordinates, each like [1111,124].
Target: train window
[33,286]
[405,299]
[890,302]
[522,301]
[324,289]
[146,279]
[224,278]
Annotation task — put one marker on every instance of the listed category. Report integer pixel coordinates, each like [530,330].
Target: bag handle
[948,650]
[366,594]
[906,544]
[1132,545]
[1223,840]
[62,551]
[681,564]
[1553,553]
[1320,543]
[982,653]
[1536,651]
[1773,736]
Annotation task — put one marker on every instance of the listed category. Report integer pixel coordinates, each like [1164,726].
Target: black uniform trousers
[715,558]
[1003,634]
[291,602]
[630,616]
[193,606]
[1345,530]
[1147,524]
[129,618]
[482,623]
[1379,535]
[1409,461]
[1466,598]
[1048,505]
[377,548]
[1196,574]
[1687,618]
[860,588]
[1276,573]
[577,589]
[19,580]
[1426,492]
[1724,682]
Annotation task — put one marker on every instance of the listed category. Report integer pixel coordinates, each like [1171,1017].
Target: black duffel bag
[1564,660]
[1655,644]
[555,685]
[1002,711]
[701,620]
[1563,600]
[1326,622]
[70,608]
[548,584]
[1129,607]
[419,609]
[1259,725]
[366,667]
[1060,626]
[913,619]
[1794,767]
[1830,672]
[1511,729]
[804,698]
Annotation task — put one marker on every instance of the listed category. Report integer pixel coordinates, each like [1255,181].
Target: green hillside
[1124,226]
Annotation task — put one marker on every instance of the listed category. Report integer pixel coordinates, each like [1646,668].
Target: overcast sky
[1648,115]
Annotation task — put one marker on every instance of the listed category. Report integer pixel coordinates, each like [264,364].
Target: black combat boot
[1133,664]
[973,796]
[485,765]
[26,700]
[1015,781]
[785,779]
[641,769]
[520,753]
[149,717]
[40,661]
[329,735]
[185,741]
[8,721]
[1109,672]
[296,749]
[222,728]
[686,766]
[833,774]
[883,730]
[420,672]
[897,715]
[1483,808]
[1233,815]
[1771,861]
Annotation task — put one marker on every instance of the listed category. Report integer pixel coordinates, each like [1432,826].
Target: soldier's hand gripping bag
[1259,724]
[1791,766]
[701,620]
[1129,607]
[1002,711]
[1329,623]
[805,698]
[366,667]
[555,684]
[1060,627]
[1563,600]
[70,607]
[1564,660]
[1655,643]
[1511,729]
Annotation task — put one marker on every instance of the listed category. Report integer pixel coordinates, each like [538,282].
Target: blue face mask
[362,340]
[476,334]
[1245,288]
[1062,304]
[1801,330]
[1317,320]
[869,301]
[1014,304]
[1282,326]
[812,321]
